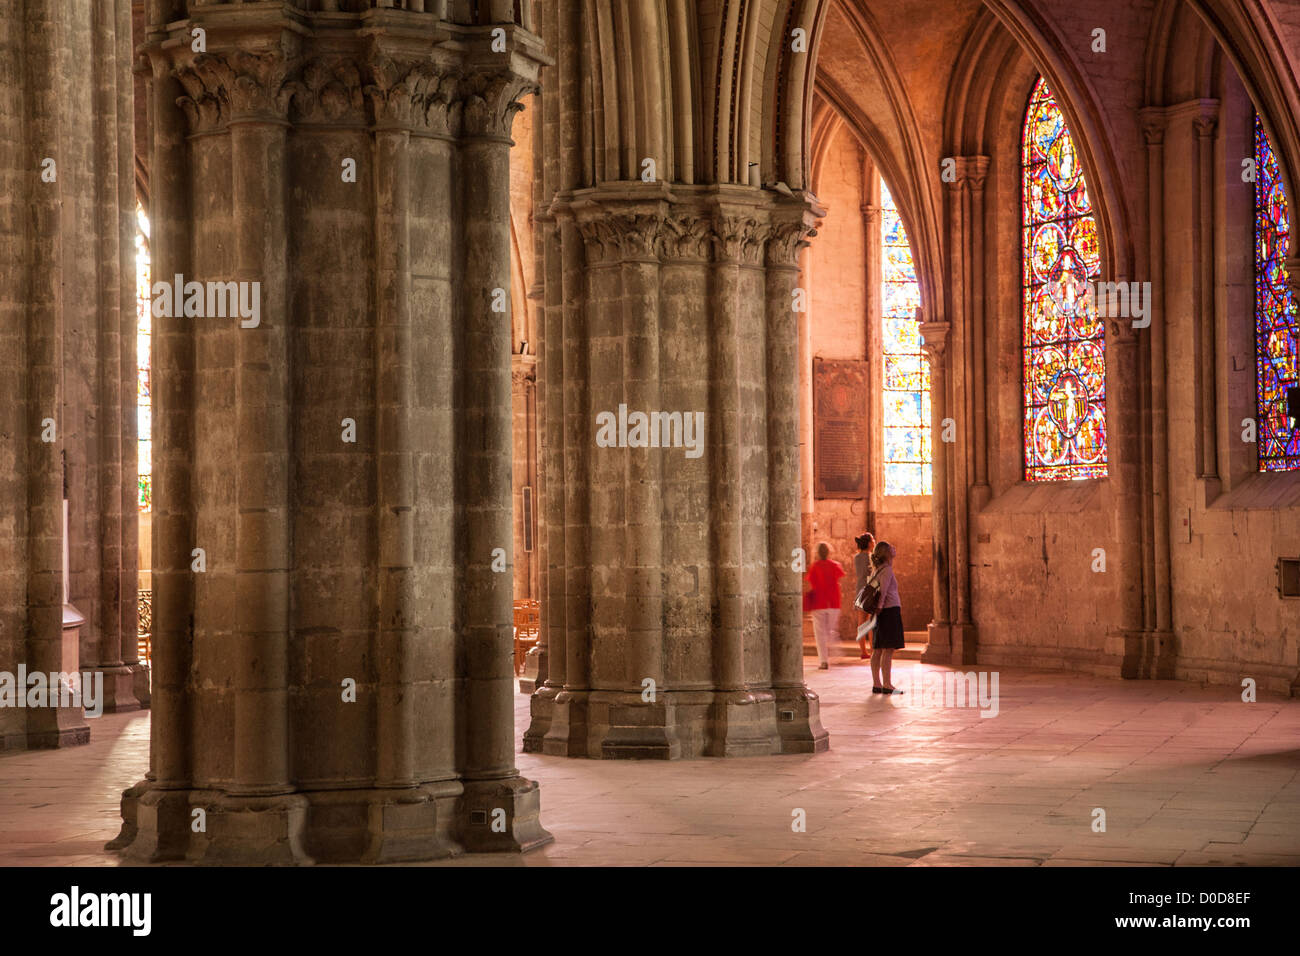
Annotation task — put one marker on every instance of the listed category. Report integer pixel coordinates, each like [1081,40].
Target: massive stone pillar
[680,436]
[67,397]
[333,477]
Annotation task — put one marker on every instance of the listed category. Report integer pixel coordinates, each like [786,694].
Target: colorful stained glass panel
[1277,329]
[906,373]
[1064,342]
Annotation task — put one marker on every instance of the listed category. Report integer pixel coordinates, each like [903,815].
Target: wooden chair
[528,629]
[144,636]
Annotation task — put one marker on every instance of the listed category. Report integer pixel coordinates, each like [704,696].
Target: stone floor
[1185,775]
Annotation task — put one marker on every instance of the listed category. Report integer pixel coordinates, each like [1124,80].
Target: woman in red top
[824,576]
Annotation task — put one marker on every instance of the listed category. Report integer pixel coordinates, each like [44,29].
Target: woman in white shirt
[888,635]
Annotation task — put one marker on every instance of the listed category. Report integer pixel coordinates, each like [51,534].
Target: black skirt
[888,632]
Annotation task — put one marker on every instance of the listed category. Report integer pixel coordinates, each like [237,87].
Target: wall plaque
[840,403]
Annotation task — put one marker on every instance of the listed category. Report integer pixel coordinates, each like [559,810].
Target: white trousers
[825,623]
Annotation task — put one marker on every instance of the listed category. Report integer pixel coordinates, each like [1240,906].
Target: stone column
[63,137]
[492,784]
[1162,649]
[681,555]
[938,648]
[343,458]
[1125,643]
[797,708]
[968,459]
[1205,180]
[115,559]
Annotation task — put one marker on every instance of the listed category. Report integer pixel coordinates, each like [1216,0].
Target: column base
[620,725]
[798,721]
[119,689]
[1127,649]
[155,824]
[249,830]
[52,727]
[965,645]
[1161,653]
[541,705]
[501,816]
[141,677]
[938,645]
[432,821]
[744,725]
[535,669]
[383,825]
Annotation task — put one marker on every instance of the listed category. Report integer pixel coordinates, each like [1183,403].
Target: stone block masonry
[334,682]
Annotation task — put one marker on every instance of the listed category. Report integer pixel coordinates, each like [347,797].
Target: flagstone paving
[1185,775]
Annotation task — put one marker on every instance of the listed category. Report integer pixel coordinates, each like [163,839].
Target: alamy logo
[55,689]
[74,908]
[945,689]
[651,430]
[1112,300]
[208,300]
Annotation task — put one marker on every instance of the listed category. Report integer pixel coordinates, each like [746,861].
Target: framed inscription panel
[840,428]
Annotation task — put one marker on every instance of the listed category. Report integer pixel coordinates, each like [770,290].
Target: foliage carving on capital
[414,95]
[327,89]
[784,241]
[970,170]
[1154,123]
[221,86]
[686,237]
[492,100]
[1121,330]
[738,239]
[934,340]
[600,238]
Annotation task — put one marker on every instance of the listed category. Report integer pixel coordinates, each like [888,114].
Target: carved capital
[414,95]
[685,237]
[491,102]
[221,87]
[969,170]
[327,89]
[934,339]
[1154,120]
[626,235]
[785,240]
[523,370]
[600,239]
[738,239]
[1120,330]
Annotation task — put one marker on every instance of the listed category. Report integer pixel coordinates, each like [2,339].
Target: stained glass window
[143,386]
[1277,332]
[906,373]
[1064,341]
